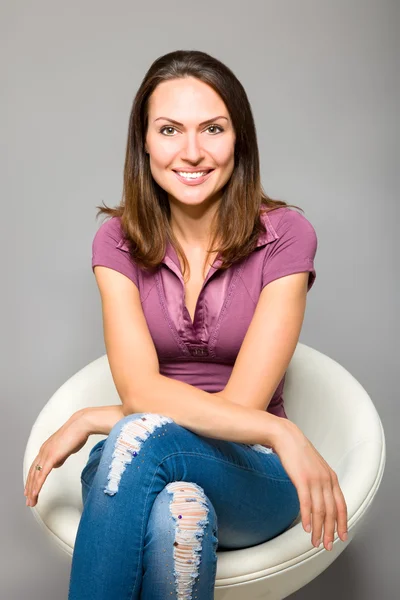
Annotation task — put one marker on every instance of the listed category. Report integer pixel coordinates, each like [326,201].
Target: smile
[193,178]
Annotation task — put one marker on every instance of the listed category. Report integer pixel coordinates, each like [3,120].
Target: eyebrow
[200,124]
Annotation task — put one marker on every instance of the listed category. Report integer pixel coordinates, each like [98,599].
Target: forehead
[186,98]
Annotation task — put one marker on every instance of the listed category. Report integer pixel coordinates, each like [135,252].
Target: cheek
[224,155]
[161,158]
[227,163]
[159,164]
[162,152]
[160,176]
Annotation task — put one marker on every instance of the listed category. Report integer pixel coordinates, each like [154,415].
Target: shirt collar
[269,236]
[171,257]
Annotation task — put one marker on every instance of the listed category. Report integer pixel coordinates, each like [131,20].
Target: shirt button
[198,351]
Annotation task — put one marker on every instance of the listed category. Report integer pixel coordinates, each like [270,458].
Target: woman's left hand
[54,452]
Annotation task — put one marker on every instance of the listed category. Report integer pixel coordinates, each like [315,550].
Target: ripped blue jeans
[159,500]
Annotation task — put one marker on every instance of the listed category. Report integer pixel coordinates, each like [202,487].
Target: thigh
[253,497]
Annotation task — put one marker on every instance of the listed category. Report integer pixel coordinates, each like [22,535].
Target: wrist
[101,419]
[284,429]
[276,430]
[83,417]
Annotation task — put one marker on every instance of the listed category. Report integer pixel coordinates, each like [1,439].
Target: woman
[200,455]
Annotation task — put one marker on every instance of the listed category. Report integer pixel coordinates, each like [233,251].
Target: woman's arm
[101,419]
[249,425]
[209,414]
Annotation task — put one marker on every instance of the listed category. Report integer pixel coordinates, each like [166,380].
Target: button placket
[198,350]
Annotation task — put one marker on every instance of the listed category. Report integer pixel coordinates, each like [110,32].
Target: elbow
[132,397]
[126,410]
[130,405]
[136,400]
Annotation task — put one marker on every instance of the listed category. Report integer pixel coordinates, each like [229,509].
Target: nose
[193,150]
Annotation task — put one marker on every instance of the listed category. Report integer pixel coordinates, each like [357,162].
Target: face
[201,139]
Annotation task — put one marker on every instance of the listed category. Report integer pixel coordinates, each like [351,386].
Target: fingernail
[330,545]
[344,536]
[308,528]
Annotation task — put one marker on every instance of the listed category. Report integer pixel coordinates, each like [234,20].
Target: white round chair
[328,404]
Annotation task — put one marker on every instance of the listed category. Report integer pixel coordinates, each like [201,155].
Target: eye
[166,127]
[216,126]
[170,127]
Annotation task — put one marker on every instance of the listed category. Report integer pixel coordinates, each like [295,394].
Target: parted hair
[144,209]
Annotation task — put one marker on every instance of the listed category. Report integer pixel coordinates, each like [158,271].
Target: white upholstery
[331,408]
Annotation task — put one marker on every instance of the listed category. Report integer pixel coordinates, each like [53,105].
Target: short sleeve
[109,250]
[294,250]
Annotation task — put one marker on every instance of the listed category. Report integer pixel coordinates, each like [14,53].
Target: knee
[150,420]
[132,430]
[127,439]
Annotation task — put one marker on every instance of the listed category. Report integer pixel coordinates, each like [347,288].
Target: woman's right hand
[53,453]
[322,503]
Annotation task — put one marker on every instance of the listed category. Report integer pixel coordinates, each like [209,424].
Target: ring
[38,468]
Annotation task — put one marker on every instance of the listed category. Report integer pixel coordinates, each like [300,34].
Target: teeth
[192,175]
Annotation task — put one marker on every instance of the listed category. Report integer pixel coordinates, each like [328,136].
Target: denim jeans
[159,500]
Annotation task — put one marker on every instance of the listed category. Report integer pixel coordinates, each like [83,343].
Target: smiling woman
[203,281]
[195,152]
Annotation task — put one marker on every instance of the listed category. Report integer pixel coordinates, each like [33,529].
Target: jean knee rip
[133,433]
[190,510]
[262,449]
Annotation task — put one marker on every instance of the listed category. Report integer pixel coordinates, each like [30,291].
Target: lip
[197,181]
[193,169]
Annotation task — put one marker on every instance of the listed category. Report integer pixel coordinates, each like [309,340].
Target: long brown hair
[144,209]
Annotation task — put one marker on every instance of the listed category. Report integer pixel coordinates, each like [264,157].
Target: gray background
[323,84]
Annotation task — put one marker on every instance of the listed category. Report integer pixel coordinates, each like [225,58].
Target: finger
[41,477]
[341,508]
[34,485]
[303,493]
[330,515]
[35,480]
[27,482]
[29,479]
[318,512]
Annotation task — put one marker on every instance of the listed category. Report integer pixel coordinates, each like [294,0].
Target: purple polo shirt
[203,353]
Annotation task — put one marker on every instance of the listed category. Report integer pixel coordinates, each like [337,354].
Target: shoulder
[291,247]
[284,219]
[109,232]
[288,227]
[110,249]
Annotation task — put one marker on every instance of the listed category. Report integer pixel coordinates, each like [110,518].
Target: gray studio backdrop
[322,80]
